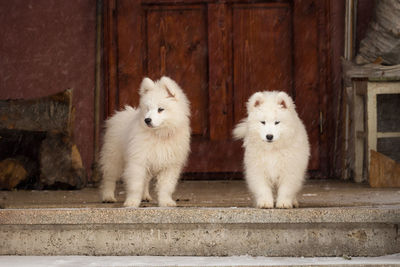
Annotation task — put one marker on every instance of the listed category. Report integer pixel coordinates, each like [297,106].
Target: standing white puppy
[152,140]
[276,149]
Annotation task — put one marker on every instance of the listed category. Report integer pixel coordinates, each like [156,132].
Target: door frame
[119,70]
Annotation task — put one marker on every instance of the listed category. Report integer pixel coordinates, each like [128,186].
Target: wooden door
[220,53]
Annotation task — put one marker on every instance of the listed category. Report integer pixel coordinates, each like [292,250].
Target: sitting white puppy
[276,149]
[152,140]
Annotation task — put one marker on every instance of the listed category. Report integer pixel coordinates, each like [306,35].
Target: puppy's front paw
[284,204]
[147,198]
[265,204]
[167,202]
[108,197]
[131,203]
[295,203]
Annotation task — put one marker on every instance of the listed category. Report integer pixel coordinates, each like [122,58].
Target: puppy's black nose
[147,121]
[270,137]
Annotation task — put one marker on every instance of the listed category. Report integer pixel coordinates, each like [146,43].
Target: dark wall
[47,46]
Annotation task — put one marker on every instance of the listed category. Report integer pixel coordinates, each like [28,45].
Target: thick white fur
[277,167]
[137,152]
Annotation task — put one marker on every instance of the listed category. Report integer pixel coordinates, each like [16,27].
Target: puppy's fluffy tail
[240,130]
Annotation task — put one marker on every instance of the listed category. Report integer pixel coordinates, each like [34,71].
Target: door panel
[262,57]
[220,53]
[177,46]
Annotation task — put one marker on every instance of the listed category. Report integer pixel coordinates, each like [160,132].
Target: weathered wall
[47,46]
[337,17]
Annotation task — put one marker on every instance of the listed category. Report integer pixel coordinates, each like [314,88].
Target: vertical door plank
[262,56]
[110,57]
[306,76]
[220,82]
[130,72]
[326,105]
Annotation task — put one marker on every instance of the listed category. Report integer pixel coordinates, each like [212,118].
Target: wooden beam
[383,171]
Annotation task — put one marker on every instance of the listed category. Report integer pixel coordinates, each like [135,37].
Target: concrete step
[213,218]
[197,231]
[165,261]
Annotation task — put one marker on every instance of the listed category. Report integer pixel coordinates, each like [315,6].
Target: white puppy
[276,149]
[152,140]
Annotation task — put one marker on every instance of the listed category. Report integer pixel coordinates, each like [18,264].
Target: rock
[40,132]
[12,172]
[61,164]
[46,114]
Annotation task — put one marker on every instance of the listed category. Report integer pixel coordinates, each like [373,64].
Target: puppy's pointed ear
[255,101]
[146,85]
[285,101]
[169,92]
[169,86]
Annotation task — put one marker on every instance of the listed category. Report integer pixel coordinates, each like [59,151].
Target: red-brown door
[220,53]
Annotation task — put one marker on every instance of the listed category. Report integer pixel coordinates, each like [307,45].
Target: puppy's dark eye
[262,122]
[160,110]
[277,122]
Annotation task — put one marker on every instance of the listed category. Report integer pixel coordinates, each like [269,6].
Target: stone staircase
[366,223]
